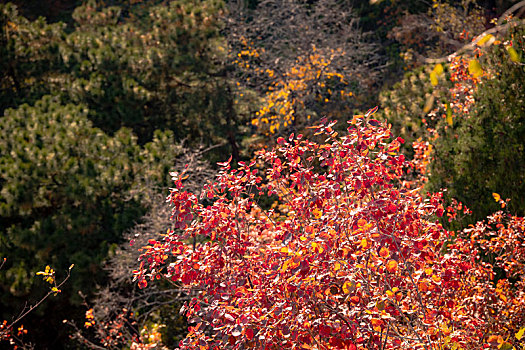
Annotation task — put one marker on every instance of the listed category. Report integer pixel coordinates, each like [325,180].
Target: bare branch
[497,30]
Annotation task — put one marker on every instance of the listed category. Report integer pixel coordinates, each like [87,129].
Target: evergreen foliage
[410,105]
[92,113]
[164,71]
[484,152]
[68,191]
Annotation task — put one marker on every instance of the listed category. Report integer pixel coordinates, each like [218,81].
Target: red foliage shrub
[347,257]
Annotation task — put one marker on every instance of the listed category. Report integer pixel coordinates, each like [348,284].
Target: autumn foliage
[334,236]
[347,257]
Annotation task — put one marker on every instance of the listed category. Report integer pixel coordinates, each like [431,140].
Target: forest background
[102,103]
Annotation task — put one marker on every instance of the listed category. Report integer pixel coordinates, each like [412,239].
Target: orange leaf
[384,252]
[354,299]
[361,222]
[494,339]
[391,266]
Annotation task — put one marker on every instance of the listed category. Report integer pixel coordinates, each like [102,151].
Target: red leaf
[249,333]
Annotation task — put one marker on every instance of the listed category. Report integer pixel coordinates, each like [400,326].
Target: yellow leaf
[514,57]
[496,196]
[438,68]
[317,247]
[428,104]
[348,287]
[285,265]
[474,68]
[12,25]
[487,40]
[356,118]
[433,78]
[449,115]
[519,335]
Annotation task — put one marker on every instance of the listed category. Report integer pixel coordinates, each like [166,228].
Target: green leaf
[505,346]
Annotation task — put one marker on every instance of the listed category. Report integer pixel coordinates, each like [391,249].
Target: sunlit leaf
[433,78]
[428,104]
[391,266]
[474,68]
[348,287]
[514,56]
[317,247]
[487,40]
[520,334]
[384,252]
[505,346]
[449,115]
[372,111]
[438,69]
